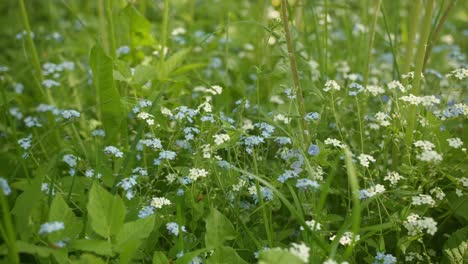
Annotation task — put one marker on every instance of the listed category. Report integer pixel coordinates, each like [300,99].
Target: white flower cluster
[331,85]
[347,238]
[455,142]
[372,191]
[375,90]
[214,90]
[416,225]
[422,199]
[334,142]
[460,74]
[314,225]
[427,154]
[195,173]
[221,138]
[393,177]
[301,250]
[396,85]
[428,100]
[382,119]
[111,150]
[159,202]
[365,160]
[146,117]
[282,118]
[438,193]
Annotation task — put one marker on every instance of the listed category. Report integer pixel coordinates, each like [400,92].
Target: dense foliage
[240,131]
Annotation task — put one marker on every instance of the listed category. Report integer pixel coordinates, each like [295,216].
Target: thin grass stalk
[436,32]
[370,44]
[164,31]
[33,53]
[9,231]
[411,38]
[419,60]
[297,83]
[110,28]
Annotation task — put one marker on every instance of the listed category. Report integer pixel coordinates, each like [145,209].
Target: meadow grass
[242,131]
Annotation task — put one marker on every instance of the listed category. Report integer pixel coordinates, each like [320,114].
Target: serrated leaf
[226,255]
[274,256]
[106,212]
[109,97]
[218,229]
[456,247]
[100,247]
[59,211]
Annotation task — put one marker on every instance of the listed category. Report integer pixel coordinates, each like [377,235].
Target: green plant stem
[436,32]
[9,231]
[110,28]
[419,61]
[411,38]
[34,57]
[370,44]
[262,205]
[297,83]
[164,31]
[356,212]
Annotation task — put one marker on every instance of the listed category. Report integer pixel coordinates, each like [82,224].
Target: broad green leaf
[60,254]
[128,249]
[139,28]
[136,230]
[218,229]
[59,211]
[171,63]
[108,95]
[274,256]
[100,247]
[160,258]
[106,212]
[225,255]
[459,205]
[24,207]
[187,257]
[88,259]
[143,74]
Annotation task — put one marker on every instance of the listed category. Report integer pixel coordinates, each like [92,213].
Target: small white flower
[422,199]
[195,173]
[111,150]
[424,145]
[334,142]
[347,238]
[301,251]
[393,177]
[365,160]
[429,156]
[221,138]
[159,202]
[331,85]
[455,142]
[313,225]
